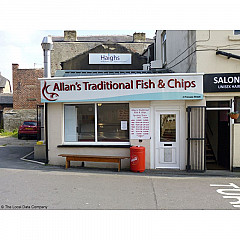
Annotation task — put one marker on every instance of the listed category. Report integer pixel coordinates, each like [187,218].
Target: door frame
[209,98]
[231,122]
[172,105]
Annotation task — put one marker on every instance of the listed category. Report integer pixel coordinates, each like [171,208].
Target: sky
[23,24]
[24,47]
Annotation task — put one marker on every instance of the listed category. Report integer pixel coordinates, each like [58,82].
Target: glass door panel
[167,127]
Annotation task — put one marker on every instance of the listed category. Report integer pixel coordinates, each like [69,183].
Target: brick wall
[26,87]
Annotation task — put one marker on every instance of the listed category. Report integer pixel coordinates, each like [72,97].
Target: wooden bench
[92,158]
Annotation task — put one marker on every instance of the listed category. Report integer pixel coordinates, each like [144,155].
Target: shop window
[237,107]
[109,120]
[112,119]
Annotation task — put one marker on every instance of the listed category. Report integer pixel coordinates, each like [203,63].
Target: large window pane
[86,122]
[70,123]
[113,122]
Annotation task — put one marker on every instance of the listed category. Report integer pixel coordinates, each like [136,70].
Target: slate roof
[103,38]
[75,73]
[6,98]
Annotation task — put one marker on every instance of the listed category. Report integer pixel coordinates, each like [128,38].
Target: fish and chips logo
[50,96]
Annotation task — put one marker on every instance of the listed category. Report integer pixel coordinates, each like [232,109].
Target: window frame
[95,143]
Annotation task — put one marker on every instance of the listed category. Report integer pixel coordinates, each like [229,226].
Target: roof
[75,73]
[6,98]
[103,38]
[3,81]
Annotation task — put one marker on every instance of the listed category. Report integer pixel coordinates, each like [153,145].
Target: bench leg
[119,165]
[67,163]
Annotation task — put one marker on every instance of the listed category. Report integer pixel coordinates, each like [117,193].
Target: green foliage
[14,133]
[236,112]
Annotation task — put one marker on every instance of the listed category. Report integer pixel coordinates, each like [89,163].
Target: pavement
[27,146]
[27,185]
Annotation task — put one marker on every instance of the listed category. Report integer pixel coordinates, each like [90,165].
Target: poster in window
[124,125]
[140,123]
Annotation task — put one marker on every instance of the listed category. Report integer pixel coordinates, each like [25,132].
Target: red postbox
[137,159]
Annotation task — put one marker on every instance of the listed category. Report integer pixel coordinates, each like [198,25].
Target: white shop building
[106,114]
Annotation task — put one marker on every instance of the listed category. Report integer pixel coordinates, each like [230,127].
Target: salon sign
[123,88]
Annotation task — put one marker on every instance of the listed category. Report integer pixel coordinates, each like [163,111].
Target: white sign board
[140,123]
[110,58]
[124,125]
[144,87]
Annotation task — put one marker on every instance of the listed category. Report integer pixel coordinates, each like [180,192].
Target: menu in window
[140,123]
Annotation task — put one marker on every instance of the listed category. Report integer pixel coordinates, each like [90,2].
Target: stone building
[81,62]
[71,45]
[6,97]
[26,96]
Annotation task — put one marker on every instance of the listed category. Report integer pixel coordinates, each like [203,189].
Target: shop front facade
[216,54]
[222,94]
[106,115]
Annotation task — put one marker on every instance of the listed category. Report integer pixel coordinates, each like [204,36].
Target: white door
[167,139]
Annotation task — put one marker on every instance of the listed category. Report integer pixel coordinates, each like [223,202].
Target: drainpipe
[47,46]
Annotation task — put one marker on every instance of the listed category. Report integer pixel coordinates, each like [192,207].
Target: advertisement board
[221,82]
[140,123]
[122,88]
[110,58]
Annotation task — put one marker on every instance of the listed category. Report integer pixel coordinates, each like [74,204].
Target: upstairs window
[164,52]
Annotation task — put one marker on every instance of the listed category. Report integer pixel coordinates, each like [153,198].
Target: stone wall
[71,46]
[13,118]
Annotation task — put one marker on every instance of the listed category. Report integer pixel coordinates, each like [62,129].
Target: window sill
[93,145]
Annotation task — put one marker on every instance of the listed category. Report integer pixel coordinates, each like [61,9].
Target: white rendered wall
[208,61]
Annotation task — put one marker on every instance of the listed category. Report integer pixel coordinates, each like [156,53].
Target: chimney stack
[70,36]
[139,37]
